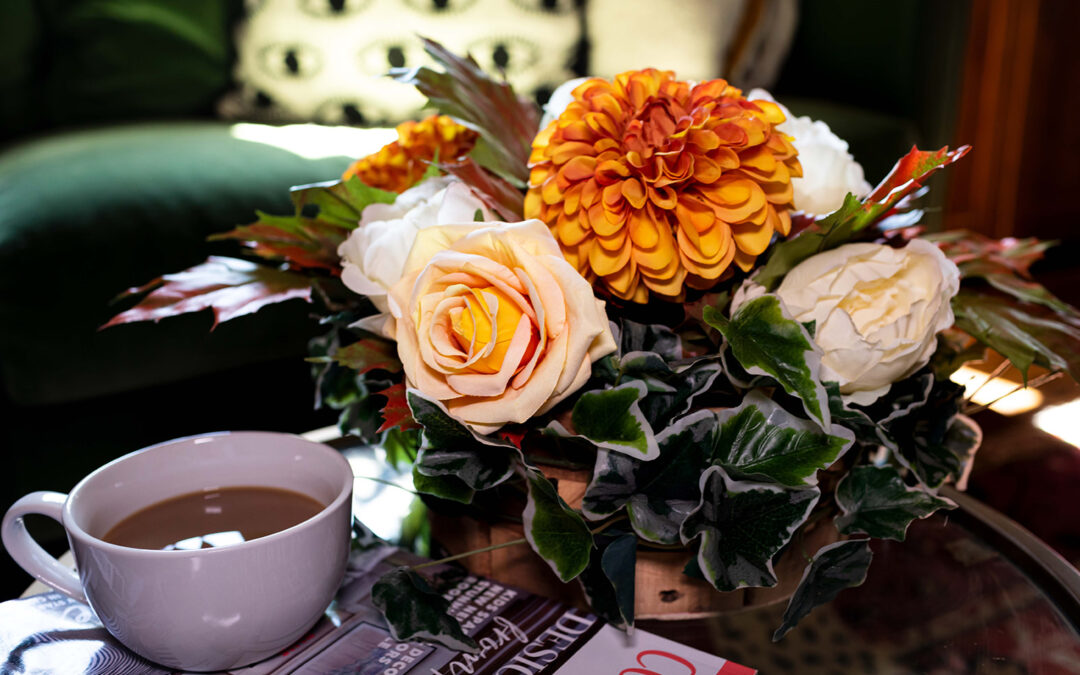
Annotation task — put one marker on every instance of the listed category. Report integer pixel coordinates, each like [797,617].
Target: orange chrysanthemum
[653,185]
[397,166]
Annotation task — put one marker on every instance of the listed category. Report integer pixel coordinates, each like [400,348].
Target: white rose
[829,170]
[877,311]
[373,256]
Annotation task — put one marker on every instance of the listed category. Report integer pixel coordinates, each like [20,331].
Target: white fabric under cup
[208,609]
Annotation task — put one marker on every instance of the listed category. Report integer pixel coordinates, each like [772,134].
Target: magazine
[518,633]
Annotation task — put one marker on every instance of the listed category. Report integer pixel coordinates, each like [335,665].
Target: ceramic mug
[206,609]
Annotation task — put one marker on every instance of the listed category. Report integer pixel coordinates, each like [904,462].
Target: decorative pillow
[325,60]
[742,40]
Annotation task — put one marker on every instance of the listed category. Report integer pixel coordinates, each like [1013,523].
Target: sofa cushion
[85,215]
[118,60]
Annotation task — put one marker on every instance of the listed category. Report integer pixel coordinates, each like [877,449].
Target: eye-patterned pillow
[325,60]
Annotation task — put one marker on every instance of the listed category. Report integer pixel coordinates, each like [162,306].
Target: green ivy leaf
[554,530]
[449,448]
[759,438]
[415,611]
[857,421]
[444,487]
[608,581]
[834,568]
[612,419]
[874,500]
[657,494]
[656,338]
[742,525]
[928,436]
[766,342]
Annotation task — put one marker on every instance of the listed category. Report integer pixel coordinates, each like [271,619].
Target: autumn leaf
[369,354]
[396,413]
[229,286]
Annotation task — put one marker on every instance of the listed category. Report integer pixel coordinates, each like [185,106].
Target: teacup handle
[28,553]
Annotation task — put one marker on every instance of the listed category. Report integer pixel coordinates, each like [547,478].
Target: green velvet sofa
[113,170]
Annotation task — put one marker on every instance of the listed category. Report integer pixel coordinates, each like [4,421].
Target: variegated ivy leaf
[759,438]
[611,419]
[452,449]
[555,531]
[658,494]
[768,343]
[444,487]
[834,568]
[874,500]
[655,338]
[742,525]
[415,611]
[608,581]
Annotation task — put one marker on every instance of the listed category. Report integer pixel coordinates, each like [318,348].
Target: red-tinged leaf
[310,240]
[906,177]
[499,195]
[299,241]
[369,354]
[513,435]
[228,286]
[396,412]
[1017,255]
[506,122]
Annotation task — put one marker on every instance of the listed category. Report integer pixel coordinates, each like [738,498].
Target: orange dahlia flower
[397,166]
[653,185]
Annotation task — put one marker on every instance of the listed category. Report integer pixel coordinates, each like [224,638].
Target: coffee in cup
[244,588]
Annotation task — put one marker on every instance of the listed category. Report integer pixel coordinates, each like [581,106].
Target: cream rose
[829,170]
[877,311]
[374,254]
[493,322]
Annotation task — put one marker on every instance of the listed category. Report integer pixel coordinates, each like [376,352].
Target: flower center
[488,322]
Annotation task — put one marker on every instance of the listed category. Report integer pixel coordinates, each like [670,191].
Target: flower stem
[466,554]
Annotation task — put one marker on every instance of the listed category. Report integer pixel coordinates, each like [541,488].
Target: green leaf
[555,531]
[742,525]
[874,500]
[449,448]
[857,421]
[324,214]
[608,581]
[853,216]
[444,487]
[612,420]
[339,203]
[369,354]
[506,122]
[759,438]
[415,611]
[639,337]
[766,342]
[657,494]
[228,286]
[834,230]
[834,568]
[929,437]
[1011,328]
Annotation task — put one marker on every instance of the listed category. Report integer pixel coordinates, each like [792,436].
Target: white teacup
[207,609]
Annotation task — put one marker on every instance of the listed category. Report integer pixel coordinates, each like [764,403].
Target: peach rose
[493,322]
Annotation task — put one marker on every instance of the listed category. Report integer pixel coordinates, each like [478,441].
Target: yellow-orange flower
[397,166]
[653,185]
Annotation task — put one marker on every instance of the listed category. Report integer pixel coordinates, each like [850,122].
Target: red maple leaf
[396,412]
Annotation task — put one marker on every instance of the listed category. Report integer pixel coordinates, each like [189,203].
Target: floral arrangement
[679,288]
